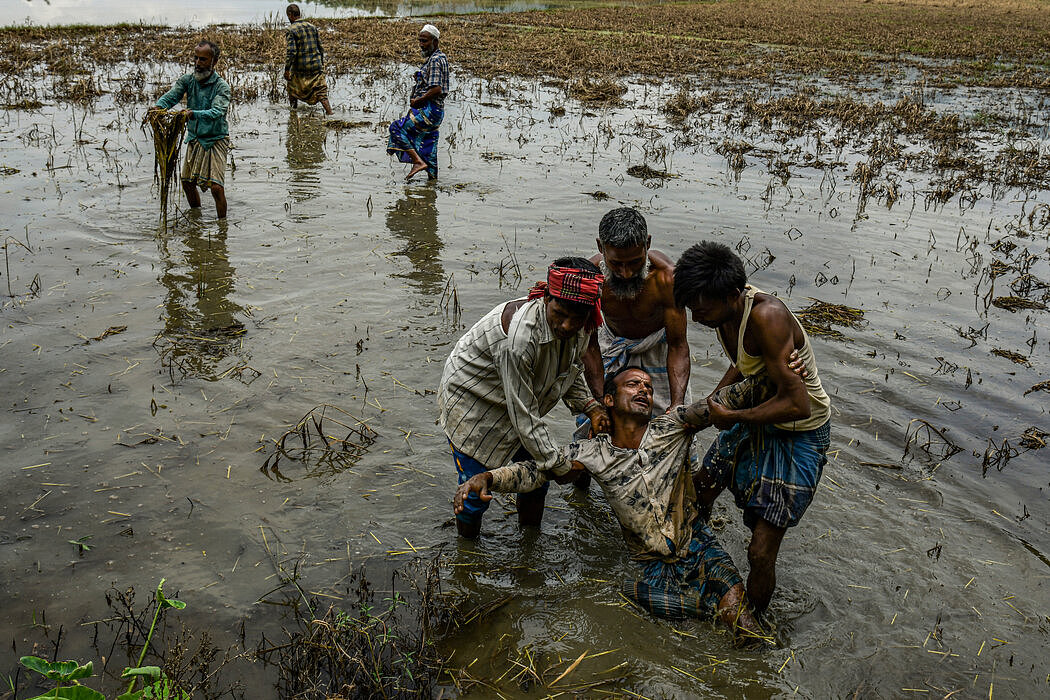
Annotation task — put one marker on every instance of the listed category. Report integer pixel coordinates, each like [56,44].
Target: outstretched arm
[677,354]
[745,393]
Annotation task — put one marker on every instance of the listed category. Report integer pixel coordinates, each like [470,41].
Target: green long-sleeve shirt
[209,101]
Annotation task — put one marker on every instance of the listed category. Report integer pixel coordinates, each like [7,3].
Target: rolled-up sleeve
[518,477]
[172,96]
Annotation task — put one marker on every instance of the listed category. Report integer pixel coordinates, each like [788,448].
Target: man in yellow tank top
[771,455]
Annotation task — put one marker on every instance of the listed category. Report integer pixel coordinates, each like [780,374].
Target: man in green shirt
[207,134]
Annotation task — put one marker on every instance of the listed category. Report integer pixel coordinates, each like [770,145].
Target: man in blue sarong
[771,455]
[414,137]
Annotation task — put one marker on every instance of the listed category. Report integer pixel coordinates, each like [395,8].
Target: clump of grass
[1034,438]
[600,90]
[1015,357]
[680,107]
[819,317]
[363,648]
[1015,304]
[167,129]
[646,173]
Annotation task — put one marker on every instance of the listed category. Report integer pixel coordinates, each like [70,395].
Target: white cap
[431,30]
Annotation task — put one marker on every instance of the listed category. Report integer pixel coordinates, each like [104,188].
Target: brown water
[326,287]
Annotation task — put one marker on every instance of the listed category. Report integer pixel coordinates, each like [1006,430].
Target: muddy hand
[478,484]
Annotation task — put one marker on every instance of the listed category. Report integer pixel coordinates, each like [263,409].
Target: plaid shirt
[305,55]
[497,386]
[434,72]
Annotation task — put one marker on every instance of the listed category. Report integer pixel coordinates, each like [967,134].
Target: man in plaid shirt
[414,137]
[304,63]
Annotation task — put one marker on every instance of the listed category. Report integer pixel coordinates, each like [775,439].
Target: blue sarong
[417,131]
[691,586]
[772,473]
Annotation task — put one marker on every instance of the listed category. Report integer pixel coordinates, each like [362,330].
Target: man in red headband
[511,369]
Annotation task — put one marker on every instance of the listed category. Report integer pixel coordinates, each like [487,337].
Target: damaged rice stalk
[327,453]
[819,317]
[167,128]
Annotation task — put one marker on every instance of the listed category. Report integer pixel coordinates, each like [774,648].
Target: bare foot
[735,612]
[417,168]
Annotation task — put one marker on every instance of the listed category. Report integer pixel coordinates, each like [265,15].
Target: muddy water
[329,285]
[204,12]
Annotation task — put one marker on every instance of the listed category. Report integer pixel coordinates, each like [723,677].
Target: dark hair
[214,49]
[708,270]
[623,228]
[576,308]
[610,379]
[293,10]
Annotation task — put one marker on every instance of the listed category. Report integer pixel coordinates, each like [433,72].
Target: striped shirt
[497,386]
[435,72]
[304,56]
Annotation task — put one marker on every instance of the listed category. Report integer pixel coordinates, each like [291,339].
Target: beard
[625,288]
[202,75]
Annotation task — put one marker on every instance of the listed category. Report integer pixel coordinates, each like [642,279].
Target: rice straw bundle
[168,128]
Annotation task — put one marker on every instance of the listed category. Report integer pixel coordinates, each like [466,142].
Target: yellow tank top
[750,365]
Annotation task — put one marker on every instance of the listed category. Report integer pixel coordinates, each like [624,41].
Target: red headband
[573,284]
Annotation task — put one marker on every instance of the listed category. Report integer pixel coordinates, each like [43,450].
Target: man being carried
[771,455]
[643,467]
[304,63]
[208,134]
[508,371]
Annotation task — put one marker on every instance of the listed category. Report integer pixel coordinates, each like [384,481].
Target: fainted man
[414,137]
[508,371]
[643,325]
[643,467]
[207,134]
[304,63]
[771,455]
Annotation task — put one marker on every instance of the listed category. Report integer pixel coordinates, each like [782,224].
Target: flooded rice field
[150,372]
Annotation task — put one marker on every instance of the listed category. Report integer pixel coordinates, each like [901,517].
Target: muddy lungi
[417,131]
[311,89]
[206,166]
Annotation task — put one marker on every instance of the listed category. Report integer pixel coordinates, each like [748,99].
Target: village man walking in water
[643,325]
[508,371]
[771,455]
[207,133]
[414,137]
[304,63]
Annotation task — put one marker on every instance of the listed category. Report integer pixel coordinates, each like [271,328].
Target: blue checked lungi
[772,473]
[692,586]
[417,131]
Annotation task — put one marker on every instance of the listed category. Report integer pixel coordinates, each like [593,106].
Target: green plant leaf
[72,692]
[57,670]
[167,602]
[153,672]
[131,695]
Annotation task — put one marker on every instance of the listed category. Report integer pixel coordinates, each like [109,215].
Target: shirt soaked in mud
[305,55]
[209,100]
[497,386]
[650,489]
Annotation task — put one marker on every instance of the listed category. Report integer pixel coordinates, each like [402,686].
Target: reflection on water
[201,327]
[305,155]
[413,219]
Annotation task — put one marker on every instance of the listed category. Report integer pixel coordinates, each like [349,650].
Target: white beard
[625,289]
[202,75]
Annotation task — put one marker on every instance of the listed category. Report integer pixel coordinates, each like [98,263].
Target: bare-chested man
[643,325]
